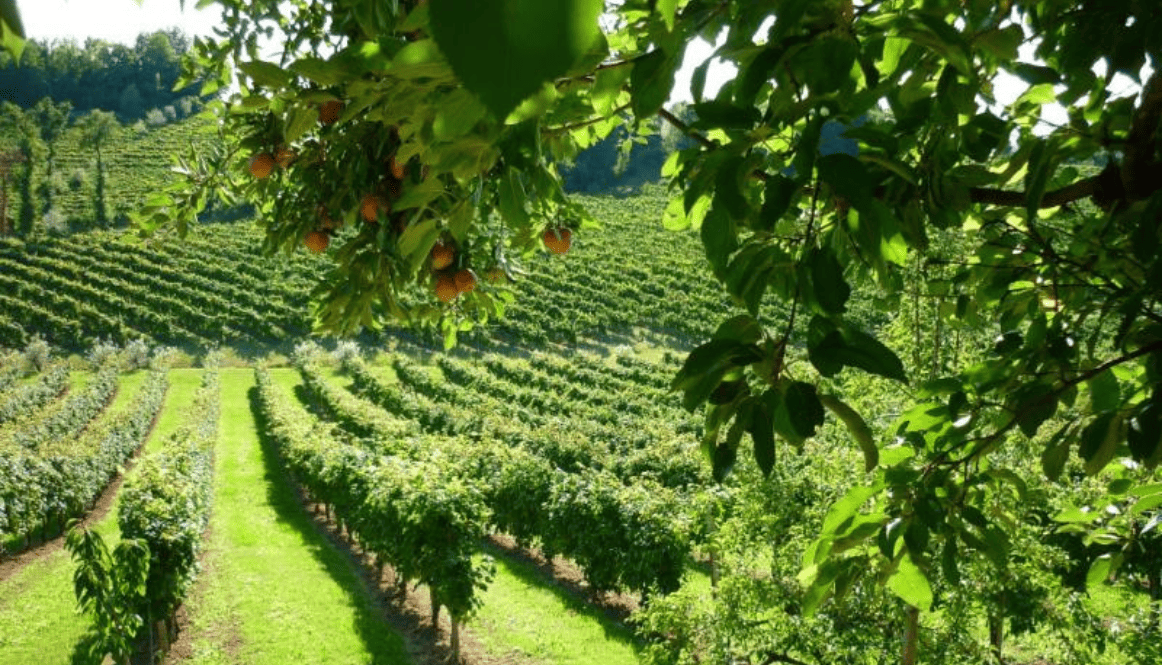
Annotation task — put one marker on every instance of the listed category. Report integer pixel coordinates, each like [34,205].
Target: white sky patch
[112,20]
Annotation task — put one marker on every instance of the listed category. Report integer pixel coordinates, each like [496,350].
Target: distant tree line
[621,163]
[131,81]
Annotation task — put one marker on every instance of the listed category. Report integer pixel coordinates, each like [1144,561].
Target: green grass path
[38,620]
[273,590]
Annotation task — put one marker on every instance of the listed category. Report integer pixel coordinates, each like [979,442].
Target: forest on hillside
[131,81]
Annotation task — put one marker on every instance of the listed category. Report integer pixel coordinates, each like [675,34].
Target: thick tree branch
[1081,189]
[1136,168]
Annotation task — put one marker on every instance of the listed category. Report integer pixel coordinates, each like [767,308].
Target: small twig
[585,123]
[687,130]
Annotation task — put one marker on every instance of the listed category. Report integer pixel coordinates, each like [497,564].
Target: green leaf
[707,365]
[416,236]
[11,29]
[719,237]
[742,328]
[777,196]
[1034,405]
[607,85]
[843,509]
[651,82]
[830,288]
[512,197]
[1099,570]
[457,115]
[848,347]
[858,428]
[763,435]
[803,408]
[667,9]
[505,50]
[910,584]
[1099,441]
[264,73]
[299,121]
[320,71]
[1103,392]
[723,114]
[1144,434]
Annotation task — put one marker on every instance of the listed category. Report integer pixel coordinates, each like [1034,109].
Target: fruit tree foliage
[453,114]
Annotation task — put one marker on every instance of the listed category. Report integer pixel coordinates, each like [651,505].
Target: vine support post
[911,635]
[435,602]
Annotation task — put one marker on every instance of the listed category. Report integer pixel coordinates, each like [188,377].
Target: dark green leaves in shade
[831,347]
[506,50]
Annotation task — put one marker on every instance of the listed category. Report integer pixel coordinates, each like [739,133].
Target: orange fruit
[442,256]
[558,240]
[283,157]
[261,165]
[496,274]
[317,241]
[397,168]
[369,207]
[329,111]
[446,288]
[465,280]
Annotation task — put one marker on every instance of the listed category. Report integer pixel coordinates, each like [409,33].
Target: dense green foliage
[166,505]
[946,195]
[128,80]
[54,463]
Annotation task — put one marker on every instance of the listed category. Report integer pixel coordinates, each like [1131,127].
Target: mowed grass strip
[272,589]
[38,619]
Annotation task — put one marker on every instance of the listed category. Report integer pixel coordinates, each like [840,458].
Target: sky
[111,20]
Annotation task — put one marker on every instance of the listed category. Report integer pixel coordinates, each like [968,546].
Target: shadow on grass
[370,625]
[614,620]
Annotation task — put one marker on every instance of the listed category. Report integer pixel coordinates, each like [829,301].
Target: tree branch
[686,129]
[585,123]
[1082,189]
[1136,171]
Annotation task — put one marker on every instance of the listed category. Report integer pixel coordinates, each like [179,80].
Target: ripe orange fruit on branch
[261,165]
[465,280]
[283,157]
[317,241]
[446,288]
[329,111]
[442,256]
[397,168]
[370,207]
[558,240]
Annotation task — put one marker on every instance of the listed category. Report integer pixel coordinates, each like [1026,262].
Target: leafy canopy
[453,115]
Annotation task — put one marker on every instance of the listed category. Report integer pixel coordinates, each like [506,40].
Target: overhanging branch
[1082,189]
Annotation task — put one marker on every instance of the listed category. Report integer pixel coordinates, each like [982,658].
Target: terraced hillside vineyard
[214,287]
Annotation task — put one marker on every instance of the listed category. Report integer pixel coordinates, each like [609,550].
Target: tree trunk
[997,633]
[911,635]
[455,640]
[1155,578]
